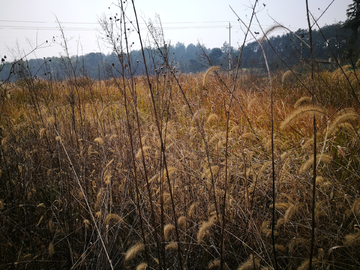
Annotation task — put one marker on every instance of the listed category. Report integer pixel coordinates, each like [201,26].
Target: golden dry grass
[121,186]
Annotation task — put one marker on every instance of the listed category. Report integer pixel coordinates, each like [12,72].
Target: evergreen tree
[353,23]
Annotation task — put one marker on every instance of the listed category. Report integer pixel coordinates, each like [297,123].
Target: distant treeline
[290,49]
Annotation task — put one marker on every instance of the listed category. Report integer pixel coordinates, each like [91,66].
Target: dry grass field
[176,172]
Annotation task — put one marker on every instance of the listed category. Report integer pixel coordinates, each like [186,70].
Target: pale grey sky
[25,24]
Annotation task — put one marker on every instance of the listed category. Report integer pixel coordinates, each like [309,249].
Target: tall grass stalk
[313,222]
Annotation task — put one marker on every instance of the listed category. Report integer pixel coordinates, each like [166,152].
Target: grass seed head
[214,264]
[99,141]
[141,266]
[251,264]
[172,245]
[302,112]
[113,217]
[133,251]
[167,229]
[51,249]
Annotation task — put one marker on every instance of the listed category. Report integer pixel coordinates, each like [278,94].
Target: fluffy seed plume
[280,248]
[50,120]
[167,229]
[352,239]
[297,242]
[356,207]
[208,71]
[213,117]
[172,245]
[87,223]
[343,116]
[99,141]
[144,150]
[252,263]
[141,266]
[113,217]
[288,77]
[133,251]
[192,209]
[214,264]
[51,249]
[98,200]
[42,132]
[181,222]
[301,112]
[319,158]
[305,264]
[205,228]
[302,101]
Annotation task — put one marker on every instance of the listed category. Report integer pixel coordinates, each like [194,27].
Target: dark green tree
[215,55]
[353,23]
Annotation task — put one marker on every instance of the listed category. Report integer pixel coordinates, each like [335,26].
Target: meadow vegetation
[175,171]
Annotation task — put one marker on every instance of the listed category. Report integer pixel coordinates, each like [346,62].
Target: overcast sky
[26,24]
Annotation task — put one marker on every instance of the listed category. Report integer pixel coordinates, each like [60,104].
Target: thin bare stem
[313,224]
